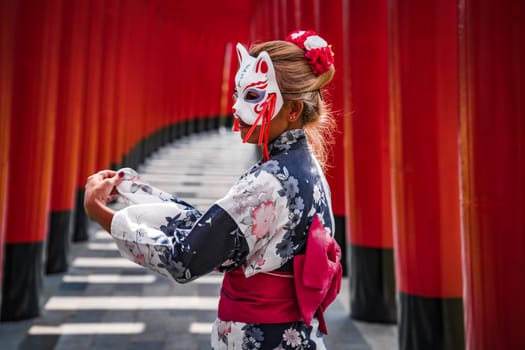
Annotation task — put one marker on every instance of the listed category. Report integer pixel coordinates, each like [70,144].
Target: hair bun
[318,53]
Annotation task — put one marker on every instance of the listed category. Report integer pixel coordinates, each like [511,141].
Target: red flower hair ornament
[318,53]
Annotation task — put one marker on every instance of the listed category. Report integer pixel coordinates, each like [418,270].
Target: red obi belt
[279,297]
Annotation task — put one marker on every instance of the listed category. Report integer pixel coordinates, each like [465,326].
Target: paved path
[106,302]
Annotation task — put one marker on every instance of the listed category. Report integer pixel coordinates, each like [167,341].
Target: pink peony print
[263,219]
[261,261]
[292,337]
[139,259]
[224,328]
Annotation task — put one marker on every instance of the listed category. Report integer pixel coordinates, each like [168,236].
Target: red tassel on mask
[235,124]
[266,114]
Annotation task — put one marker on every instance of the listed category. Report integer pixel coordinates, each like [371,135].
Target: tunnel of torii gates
[427,172]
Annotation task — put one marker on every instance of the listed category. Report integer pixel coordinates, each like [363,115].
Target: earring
[292,117]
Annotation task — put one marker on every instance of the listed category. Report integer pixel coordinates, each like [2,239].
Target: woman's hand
[100,190]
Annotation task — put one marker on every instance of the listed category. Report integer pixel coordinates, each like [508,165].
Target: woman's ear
[296,109]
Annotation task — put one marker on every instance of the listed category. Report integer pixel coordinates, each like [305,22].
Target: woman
[275,286]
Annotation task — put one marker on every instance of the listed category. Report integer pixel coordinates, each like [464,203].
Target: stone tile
[73,286]
[183,341]
[110,341]
[76,342]
[145,345]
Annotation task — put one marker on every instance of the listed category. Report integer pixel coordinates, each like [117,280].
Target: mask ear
[263,64]
[242,54]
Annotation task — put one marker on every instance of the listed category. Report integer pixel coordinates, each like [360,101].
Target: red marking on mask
[263,84]
[262,67]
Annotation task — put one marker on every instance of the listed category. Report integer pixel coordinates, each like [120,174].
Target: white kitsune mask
[255,82]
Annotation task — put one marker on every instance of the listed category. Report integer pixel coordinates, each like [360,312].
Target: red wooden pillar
[142,90]
[211,112]
[372,282]
[142,117]
[7,14]
[288,19]
[261,23]
[34,92]
[177,89]
[106,114]
[207,78]
[180,92]
[89,135]
[296,13]
[128,83]
[185,96]
[150,69]
[275,20]
[310,14]
[170,74]
[492,129]
[164,81]
[67,141]
[131,85]
[216,79]
[158,73]
[424,118]
[196,39]
[173,90]
[122,80]
[281,10]
[331,29]
[227,86]
[211,79]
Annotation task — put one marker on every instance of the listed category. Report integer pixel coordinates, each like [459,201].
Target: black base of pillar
[58,241]
[227,121]
[136,155]
[165,135]
[173,132]
[201,124]
[214,123]
[80,230]
[187,127]
[340,237]
[22,281]
[190,125]
[115,165]
[372,284]
[430,323]
[148,147]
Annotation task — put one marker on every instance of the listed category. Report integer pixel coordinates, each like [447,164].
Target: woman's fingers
[106,175]
[103,174]
[102,185]
[112,197]
[116,180]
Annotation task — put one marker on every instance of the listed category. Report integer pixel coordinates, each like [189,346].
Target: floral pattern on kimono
[259,225]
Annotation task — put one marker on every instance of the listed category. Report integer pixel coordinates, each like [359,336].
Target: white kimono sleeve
[170,237]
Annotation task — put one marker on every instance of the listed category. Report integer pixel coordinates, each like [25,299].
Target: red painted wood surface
[331,29]
[369,178]
[90,110]
[70,104]
[107,110]
[424,118]
[33,111]
[492,119]
[7,12]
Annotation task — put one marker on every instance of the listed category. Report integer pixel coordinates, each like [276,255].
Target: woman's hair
[297,82]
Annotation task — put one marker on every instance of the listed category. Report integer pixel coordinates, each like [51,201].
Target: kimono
[256,228]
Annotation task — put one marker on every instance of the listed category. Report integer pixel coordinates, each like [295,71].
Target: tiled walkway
[106,302]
